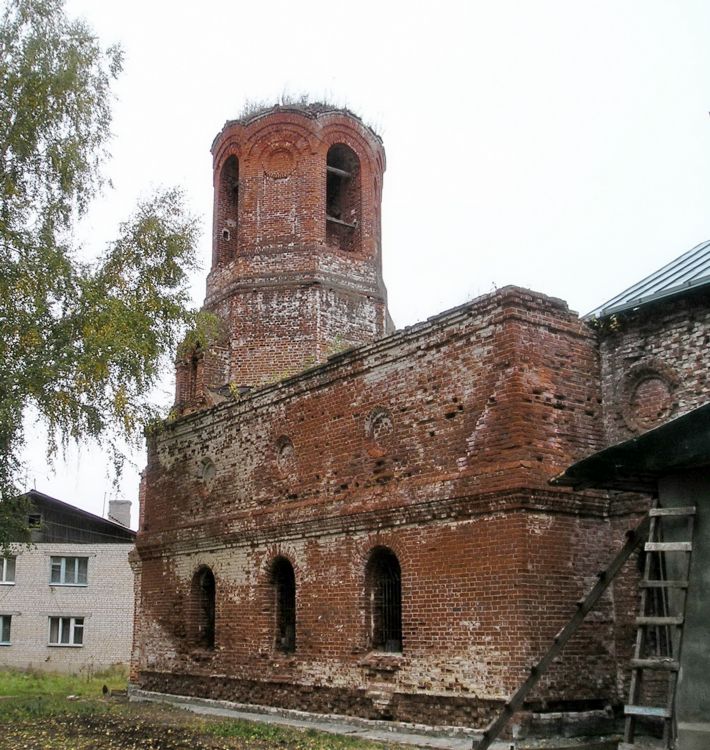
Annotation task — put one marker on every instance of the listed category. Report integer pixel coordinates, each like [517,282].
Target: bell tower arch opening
[343,198]
[296,262]
[226,212]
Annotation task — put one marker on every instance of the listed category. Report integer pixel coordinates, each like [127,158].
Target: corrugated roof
[689,271]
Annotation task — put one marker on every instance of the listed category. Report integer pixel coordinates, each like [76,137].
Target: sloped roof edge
[42,497]
[691,270]
[636,465]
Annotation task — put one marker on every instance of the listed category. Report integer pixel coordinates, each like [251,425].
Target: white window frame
[6,619]
[72,627]
[69,570]
[5,568]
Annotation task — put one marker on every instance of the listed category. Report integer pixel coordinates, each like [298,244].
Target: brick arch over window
[226,211]
[202,608]
[383,584]
[343,198]
[283,583]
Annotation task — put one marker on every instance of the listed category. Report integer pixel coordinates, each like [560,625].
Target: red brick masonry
[435,443]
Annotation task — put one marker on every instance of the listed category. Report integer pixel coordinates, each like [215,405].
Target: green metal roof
[691,270]
[637,464]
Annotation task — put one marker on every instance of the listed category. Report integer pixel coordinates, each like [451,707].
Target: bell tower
[296,269]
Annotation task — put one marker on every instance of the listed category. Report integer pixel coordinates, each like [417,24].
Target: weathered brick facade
[297,264]
[432,447]
[655,363]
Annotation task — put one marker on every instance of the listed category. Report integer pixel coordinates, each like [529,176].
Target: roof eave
[637,464]
[604,312]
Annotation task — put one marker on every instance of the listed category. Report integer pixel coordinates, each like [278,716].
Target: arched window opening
[195,374]
[203,599]
[227,210]
[283,580]
[189,379]
[384,594]
[342,198]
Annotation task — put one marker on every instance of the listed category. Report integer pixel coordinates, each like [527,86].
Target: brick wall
[655,364]
[436,442]
[291,283]
[105,603]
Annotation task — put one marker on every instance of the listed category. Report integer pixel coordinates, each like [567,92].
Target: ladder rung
[668,546]
[688,510]
[661,713]
[662,663]
[659,620]
[669,584]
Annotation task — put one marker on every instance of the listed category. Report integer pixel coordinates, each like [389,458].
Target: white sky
[559,145]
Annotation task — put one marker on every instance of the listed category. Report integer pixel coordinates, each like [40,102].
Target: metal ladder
[660,621]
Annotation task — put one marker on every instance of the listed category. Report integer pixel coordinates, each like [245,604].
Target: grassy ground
[57,712]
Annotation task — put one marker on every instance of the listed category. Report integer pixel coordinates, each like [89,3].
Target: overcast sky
[561,145]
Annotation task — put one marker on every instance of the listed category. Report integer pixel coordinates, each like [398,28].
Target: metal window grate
[284,581]
[206,609]
[386,602]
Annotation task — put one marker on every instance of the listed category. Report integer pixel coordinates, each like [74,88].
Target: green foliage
[610,324]
[206,330]
[14,511]
[337,346]
[82,344]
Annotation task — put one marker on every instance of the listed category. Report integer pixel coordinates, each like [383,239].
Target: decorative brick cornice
[199,535]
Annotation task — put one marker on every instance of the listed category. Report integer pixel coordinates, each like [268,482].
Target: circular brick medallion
[280,161]
[650,402]
[647,399]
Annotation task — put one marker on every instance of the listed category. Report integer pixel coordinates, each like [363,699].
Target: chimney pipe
[119,511]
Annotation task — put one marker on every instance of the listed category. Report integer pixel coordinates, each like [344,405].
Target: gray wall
[693,693]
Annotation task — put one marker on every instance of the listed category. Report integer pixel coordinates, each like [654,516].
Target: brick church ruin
[351,519]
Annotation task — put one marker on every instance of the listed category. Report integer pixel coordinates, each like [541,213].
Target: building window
[227,211]
[203,607]
[342,198]
[384,598]
[5,621]
[7,569]
[283,581]
[66,631]
[69,571]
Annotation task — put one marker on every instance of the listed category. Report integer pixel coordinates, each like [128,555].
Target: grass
[33,682]
[33,694]
[35,714]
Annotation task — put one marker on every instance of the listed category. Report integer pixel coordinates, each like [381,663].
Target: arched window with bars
[383,578]
[202,610]
[283,582]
